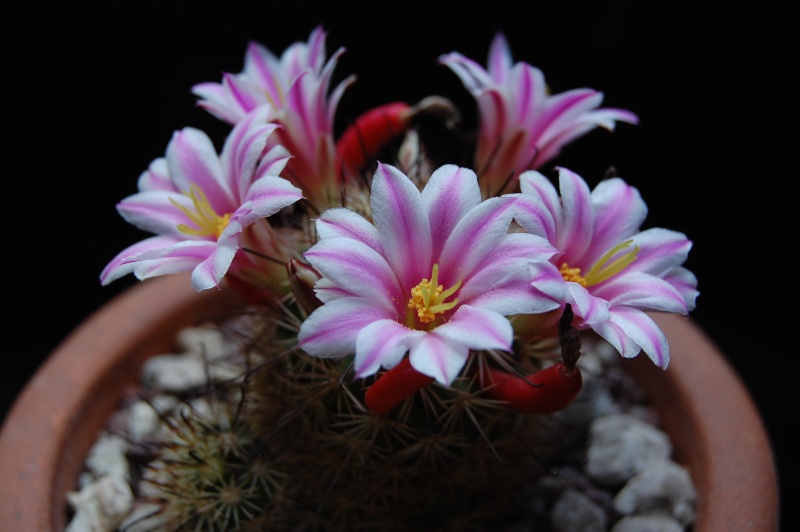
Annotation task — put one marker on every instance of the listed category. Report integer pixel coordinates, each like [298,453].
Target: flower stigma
[602,270]
[428,297]
[207,220]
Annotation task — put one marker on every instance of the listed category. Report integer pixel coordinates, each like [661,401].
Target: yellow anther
[207,220]
[572,274]
[428,297]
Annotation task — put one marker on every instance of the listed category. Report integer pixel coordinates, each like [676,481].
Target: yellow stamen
[428,297]
[602,270]
[207,220]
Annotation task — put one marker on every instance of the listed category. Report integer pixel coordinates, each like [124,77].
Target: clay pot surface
[712,420]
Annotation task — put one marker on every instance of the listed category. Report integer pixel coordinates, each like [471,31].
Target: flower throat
[209,223]
[428,297]
[604,268]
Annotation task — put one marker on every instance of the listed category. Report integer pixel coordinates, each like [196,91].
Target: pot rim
[716,430]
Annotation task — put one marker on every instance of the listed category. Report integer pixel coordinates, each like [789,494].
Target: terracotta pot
[711,418]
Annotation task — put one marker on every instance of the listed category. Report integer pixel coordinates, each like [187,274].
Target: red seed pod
[393,386]
[370,132]
[552,388]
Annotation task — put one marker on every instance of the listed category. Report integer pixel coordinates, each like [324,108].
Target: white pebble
[100,506]
[107,456]
[575,512]
[662,488]
[621,445]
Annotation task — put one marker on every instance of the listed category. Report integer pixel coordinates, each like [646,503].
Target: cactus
[291,446]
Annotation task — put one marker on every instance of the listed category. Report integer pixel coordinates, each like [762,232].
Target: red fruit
[370,132]
[393,386]
[544,392]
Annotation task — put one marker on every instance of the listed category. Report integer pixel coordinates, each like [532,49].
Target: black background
[94,91]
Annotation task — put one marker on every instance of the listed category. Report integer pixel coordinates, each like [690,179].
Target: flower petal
[179,257]
[450,193]
[535,184]
[577,227]
[244,146]
[383,343]
[532,214]
[326,291]
[590,309]
[475,237]
[500,60]
[478,328]
[210,272]
[125,261]
[660,250]
[470,72]
[516,279]
[192,159]
[156,177]
[641,328]
[438,357]
[331,330]
[155,211]
[686,283]
[402,221]
[642,291]
[344,222]
[265,197]
[619,212]
[347,263]
[521,126]
[614,335]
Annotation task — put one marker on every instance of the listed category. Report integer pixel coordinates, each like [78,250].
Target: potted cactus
[413,306]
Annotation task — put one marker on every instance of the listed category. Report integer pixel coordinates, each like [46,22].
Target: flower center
[572,274]
[208,222]
[604,268]
[428,297]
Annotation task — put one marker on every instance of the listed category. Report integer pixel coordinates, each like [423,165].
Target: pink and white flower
[434,275]
[522,126]
[614,271]
[296,85]
[198,204]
